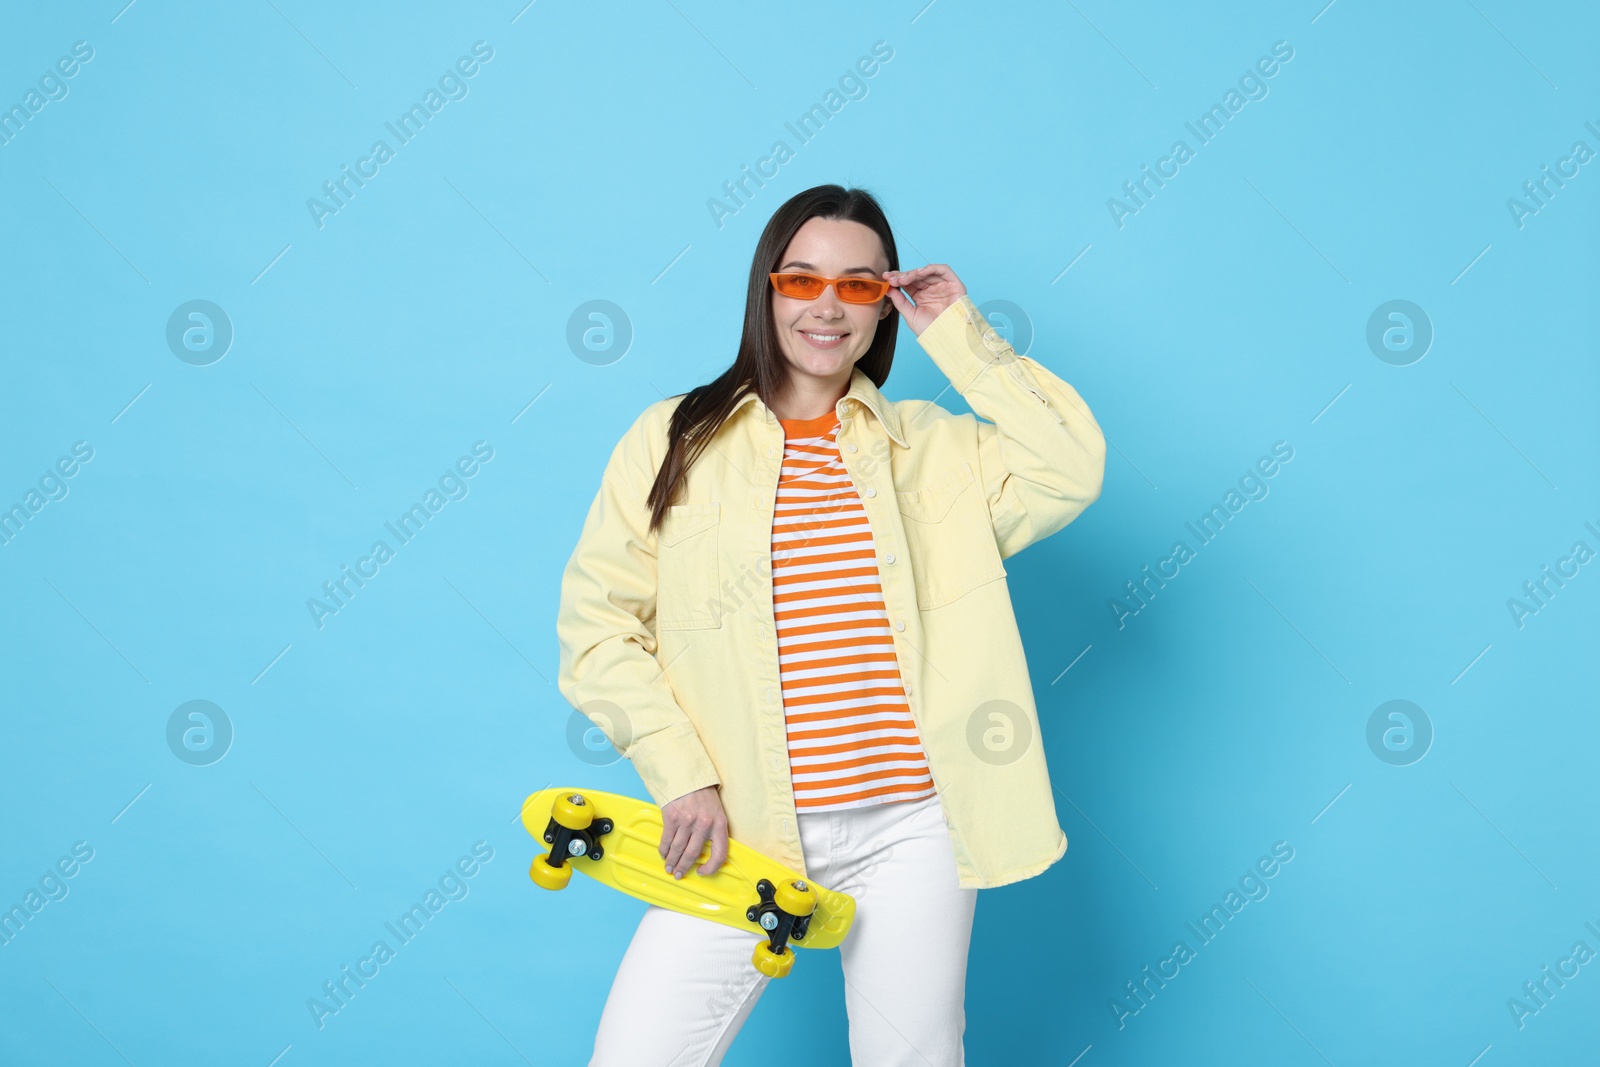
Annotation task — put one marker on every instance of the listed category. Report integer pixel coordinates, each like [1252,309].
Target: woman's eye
[856,286]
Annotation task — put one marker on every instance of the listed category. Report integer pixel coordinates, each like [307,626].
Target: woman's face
[823,338]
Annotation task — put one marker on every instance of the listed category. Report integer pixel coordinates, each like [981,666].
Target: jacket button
[899,626]
[871,491]
[889,558]
[850,448]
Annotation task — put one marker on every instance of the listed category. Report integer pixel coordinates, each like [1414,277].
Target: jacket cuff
[963,344]
[673,762]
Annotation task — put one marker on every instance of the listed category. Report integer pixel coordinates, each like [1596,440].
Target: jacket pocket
[687,597]
[950,538]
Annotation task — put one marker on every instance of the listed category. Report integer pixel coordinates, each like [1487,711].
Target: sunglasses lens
[801,286]
[860,290]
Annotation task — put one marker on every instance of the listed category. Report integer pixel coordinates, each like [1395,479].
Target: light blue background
[431,312]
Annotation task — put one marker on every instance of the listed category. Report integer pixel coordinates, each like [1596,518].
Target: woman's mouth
[823,338]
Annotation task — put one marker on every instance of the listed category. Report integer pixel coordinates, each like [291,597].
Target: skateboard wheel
[770,963]
[795,897]
[573,811]
[547,877]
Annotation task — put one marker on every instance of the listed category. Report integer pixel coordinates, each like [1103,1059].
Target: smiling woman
[864,715]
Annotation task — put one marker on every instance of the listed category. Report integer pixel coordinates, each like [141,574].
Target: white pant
[686,985]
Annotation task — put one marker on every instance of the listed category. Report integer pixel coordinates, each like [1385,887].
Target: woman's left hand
[934,288]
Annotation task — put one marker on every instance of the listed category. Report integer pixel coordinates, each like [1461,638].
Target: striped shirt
[852,741]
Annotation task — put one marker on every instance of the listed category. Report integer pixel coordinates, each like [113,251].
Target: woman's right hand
[687,824]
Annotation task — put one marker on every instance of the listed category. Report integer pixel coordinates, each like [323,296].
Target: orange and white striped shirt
[852,741]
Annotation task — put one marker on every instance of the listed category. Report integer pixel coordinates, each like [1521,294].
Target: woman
[788,609]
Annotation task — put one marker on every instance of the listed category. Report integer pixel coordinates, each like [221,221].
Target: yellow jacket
[668,644]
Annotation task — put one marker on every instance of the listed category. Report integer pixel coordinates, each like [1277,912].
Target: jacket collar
[861,390]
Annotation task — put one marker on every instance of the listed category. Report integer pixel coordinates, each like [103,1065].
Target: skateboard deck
[616,840]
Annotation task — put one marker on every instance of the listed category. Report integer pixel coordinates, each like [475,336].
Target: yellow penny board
[631,862]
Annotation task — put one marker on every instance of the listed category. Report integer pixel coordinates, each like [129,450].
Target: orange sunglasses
[855,290]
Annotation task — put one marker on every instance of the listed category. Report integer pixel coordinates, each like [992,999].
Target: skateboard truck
[572,832]
[784,912]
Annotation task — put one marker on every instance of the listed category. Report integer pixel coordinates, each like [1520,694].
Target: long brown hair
[760,365]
